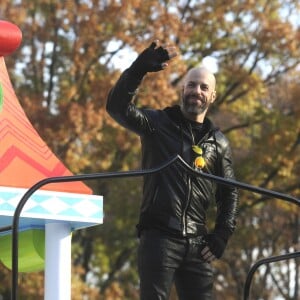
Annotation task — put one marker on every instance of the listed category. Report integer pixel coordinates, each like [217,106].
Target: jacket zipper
[184,219]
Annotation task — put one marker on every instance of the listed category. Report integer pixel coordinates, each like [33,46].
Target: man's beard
[194,107]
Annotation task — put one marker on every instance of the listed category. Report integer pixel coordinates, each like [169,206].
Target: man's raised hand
[153,59]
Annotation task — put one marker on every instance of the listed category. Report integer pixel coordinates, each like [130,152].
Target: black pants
[163,259]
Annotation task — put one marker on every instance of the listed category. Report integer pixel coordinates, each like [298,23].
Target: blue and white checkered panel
[50,205]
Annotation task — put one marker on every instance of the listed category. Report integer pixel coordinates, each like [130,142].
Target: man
[175,245]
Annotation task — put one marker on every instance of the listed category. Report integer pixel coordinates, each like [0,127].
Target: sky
[126,56]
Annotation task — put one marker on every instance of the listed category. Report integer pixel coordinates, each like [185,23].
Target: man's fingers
[169,53]
[155,44]
[207,254]
[205,250]
[164,65]
[172,51]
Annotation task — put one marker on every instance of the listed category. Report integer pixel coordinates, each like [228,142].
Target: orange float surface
[25,158]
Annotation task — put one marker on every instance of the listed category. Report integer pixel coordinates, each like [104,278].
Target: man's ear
[213,96]
[182,90]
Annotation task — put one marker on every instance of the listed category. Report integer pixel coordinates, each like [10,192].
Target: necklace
[199,162]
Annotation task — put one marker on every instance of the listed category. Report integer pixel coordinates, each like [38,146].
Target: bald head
[203,73]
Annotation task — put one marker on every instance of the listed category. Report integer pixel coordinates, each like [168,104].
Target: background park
[72,53]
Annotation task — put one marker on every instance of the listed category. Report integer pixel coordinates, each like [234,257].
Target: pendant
[199,161]
[197,149]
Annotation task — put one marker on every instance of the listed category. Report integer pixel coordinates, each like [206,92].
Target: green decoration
[197,149]
[1,97]
[31,250]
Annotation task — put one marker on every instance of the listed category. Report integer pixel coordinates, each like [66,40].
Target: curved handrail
[136,173]
[263,262]
[5,228]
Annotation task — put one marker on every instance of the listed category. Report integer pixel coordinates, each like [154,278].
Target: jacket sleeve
[227,196]
[120,107]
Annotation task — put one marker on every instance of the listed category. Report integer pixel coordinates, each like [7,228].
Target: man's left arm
[227,203]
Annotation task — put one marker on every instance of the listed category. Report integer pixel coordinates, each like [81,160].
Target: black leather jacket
[173,200]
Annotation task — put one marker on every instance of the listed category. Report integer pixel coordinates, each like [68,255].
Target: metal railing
[136,173]
[265,261]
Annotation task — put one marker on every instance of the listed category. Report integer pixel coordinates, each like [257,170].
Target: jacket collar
[176,114]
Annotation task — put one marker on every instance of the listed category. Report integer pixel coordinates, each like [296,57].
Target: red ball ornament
[10,37]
